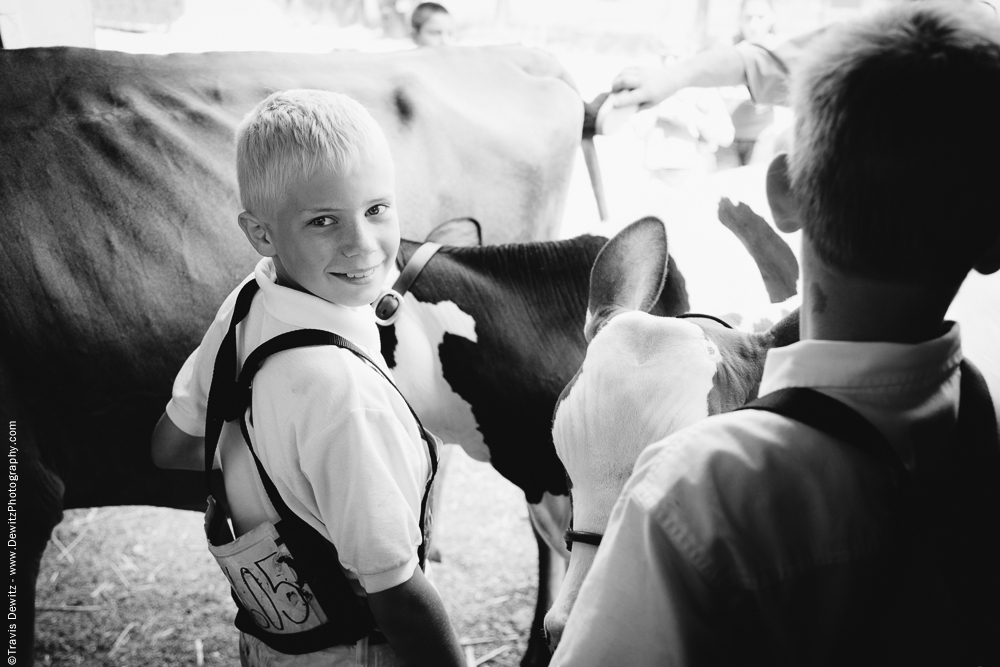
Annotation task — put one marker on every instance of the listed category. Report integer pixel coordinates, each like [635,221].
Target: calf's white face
[644,377]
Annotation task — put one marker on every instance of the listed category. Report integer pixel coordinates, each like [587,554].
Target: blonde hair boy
[340,446]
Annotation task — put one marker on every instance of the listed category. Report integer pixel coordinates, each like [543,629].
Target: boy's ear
[990,261]
[784,208]
[258,233]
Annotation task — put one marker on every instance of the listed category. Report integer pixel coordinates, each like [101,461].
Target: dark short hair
[896,157]
[424,11]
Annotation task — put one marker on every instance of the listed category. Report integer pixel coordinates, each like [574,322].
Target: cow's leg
[549,521]
[42,497]
[38,509]
[34,507]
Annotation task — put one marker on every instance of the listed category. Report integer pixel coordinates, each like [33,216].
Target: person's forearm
[412,617]
[173,449]
[648,86]
[709,69]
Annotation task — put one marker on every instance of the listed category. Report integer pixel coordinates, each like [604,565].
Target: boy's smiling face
[335,235]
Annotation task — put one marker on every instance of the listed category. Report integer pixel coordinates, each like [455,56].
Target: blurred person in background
[755,25]
[432,25]
[756,21]
[763,70]
[686,132]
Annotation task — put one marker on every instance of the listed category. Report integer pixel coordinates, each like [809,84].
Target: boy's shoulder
[749,492]
[326,375]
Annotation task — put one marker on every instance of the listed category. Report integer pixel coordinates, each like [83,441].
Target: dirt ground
[135,586]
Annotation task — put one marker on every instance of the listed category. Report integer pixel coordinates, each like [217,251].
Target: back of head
[897,141]
[290,134]
[423,12]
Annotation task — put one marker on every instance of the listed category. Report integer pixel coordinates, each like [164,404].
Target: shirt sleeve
[354,470]
[768,67]
[189,399]
[644,598]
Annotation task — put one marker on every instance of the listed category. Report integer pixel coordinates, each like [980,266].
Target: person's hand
[645,86]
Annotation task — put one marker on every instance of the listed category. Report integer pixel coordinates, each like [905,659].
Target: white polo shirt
[338,441]
[752,503]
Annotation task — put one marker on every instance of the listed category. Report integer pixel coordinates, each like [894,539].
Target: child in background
[334,437]
[432,25]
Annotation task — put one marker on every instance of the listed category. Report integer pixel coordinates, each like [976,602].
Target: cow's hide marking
[421,330]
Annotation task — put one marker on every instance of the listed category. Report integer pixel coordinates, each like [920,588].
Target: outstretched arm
[648,86]
[412,617]
[763,69]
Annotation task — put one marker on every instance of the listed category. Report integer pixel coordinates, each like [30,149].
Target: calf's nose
[555,623]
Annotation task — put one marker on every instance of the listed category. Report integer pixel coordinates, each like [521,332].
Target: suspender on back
[316,560]
[965,509]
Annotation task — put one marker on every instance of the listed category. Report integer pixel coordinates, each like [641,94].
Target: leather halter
[706,317]
[582,536]
[389,303]
[594,539]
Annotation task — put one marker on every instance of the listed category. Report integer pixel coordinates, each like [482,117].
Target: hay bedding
[124,586]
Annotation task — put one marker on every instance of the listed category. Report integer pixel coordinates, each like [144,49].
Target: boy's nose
[360,240]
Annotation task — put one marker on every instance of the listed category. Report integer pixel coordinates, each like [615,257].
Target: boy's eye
[322,221]
[376,209]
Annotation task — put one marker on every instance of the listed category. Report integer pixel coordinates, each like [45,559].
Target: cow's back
[118,209]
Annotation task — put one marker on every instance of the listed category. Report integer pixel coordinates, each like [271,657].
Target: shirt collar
[306,311]
[852,365]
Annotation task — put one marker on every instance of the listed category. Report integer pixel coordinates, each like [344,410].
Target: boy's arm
[412,617]
[764,71]
[648,86]
[173,448]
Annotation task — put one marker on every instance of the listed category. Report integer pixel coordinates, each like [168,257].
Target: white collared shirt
[338,441]
[750,501]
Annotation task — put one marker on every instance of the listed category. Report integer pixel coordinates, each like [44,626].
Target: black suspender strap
[308,338]
[224,379]
[964,510]
[315,558]
[229,395]
[830,416]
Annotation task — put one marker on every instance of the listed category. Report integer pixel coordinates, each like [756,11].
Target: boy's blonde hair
[896,156]
[290,134]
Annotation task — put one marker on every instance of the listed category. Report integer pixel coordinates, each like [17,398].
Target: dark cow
[486,341]
[653,375]
[116,182]
[118,206]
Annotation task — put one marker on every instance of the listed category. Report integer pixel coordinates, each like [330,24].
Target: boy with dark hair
[432,25]
[756,538]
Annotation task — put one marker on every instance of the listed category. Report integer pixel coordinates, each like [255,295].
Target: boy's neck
[837,306]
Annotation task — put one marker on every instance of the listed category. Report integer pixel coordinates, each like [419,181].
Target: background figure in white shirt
[750,538]
[317,183]
[763,66]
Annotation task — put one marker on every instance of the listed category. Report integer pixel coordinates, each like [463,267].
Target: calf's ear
[464,232]
[628,273]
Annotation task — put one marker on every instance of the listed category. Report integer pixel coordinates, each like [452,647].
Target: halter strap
[583,537]
[389,303]
[705,317]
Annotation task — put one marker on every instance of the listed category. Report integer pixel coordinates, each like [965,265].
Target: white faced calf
[643,378]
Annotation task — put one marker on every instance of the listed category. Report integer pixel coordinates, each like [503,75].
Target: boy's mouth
[360,274]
